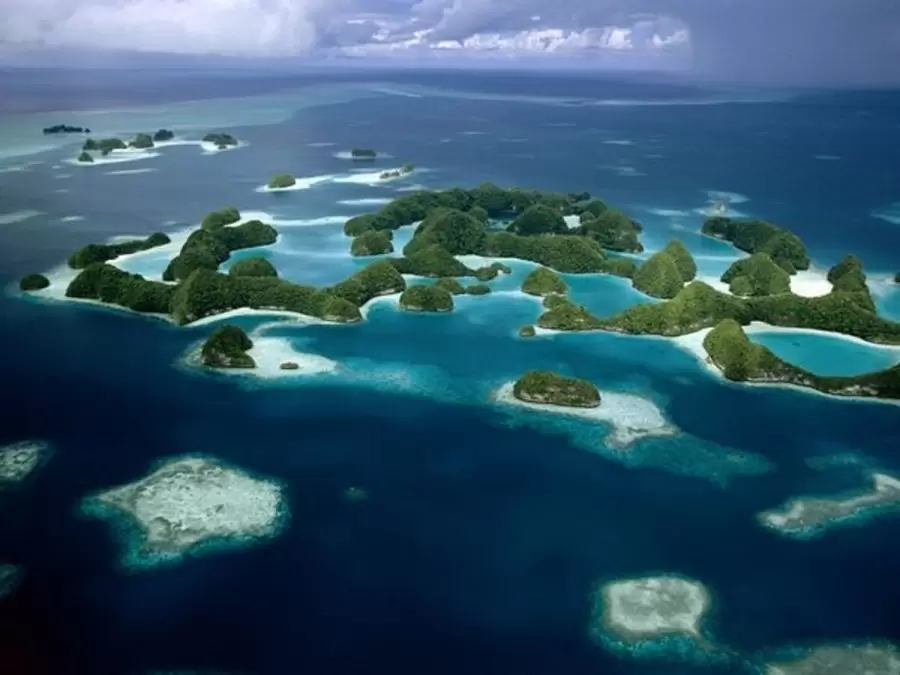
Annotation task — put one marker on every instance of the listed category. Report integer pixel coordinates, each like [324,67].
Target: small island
[610,228]
[527,331]
[741,360]
[281,181]
[227,347]
[221,141]
[142,142]
[426,299]
[85,157]
[99,253]
[867,659]
[549,388]
[757,276]
[363,153]
[543,282]
[808,517]
[163,135]
[644,616]
[478,289]
[104,146]
[33,282]
[65,129]
[189,505]
[759,236]
[19,461]
[397,173]
[372,242]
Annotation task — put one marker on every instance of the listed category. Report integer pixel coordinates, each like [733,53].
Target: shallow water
[828,355]
[486,527]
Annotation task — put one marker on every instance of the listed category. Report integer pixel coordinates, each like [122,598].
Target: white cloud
[678,38]
[615,37]
[233,27]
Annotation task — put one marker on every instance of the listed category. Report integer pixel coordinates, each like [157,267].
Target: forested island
[363,153]
[281,181]
[227,347]
[221,141]
[549,388]
[65,129]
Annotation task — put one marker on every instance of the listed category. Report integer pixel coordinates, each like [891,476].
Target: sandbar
[19,460]
[631,417]
[807,517]
[634,611]
[841,660]
[188,505]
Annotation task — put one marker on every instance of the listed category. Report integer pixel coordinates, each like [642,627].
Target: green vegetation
[97,253]
[220,218]
[848,276]
[104,146]
[99,281]
[376,279]
[282,180]
[546,387]
[687,267]
[85,157]
[426,299]
[612,229]
[227,348]
[897,278]
[221,141]
[456,232]
[659,276]
[253,267]
[486,273]
[433,261]
[741,360]
[163,135]
[372,242]
[538,219]
[620,267]
[33,282]
[563,314]
[363,153]
[142,142]
[543,281]
[759,236]
[527,331]
[478,289]
[208,248]
[570,254]
[479,214]
[451,285]
[757,275]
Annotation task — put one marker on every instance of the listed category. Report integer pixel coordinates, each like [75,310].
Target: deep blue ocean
[484,530]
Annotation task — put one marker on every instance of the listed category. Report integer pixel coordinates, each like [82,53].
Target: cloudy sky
[856,41]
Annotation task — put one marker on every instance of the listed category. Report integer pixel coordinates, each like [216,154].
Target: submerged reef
[18,461]
[188,505]
[10,575]
[741,360]
[868,659]
[652,616]
[807,517]
[545,387]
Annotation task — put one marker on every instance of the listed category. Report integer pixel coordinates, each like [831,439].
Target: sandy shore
[631,417]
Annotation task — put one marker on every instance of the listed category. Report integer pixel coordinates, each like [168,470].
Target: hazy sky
[817,41]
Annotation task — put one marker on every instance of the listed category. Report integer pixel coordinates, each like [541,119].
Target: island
[759,236]
[527,331]
[397,173]
[281,181]
[372,242]
[865,659]
[543,282]
[289,365]
[253,267]
[664,274]
[221,141]
[741,360]
[651,615]
[85,157]
[65,129]
[189,506]
[684,261]
[363,153]
[18,461]
[104,146]
[163,135]
[808,517]
[610,228]
[426,299]
[549,388]
[10,575]
[224,216]
[142,142]
[757,275]
[227,347]
[33,282]
[98,253]
[478,289]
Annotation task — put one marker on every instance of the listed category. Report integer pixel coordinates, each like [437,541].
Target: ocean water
[485,527]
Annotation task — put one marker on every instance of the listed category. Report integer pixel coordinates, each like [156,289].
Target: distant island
[549,388]
[66,129]
[281,181]
[163,135]
[221,141]
[396,173]
[363,153]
